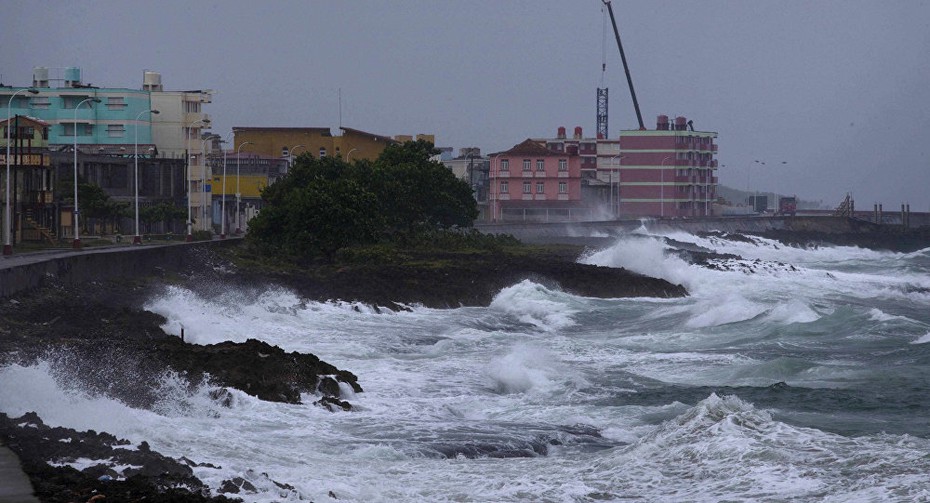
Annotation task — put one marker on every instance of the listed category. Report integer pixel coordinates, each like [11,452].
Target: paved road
[14,485]
[19,258]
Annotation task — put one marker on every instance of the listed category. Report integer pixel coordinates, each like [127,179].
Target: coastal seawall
[594,232]
[27,271]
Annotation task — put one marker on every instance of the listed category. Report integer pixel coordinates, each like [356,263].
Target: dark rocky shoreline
[76,327]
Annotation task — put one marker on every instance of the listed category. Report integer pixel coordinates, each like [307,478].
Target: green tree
[419,193]
[161,212]
[319,207]
[324,205]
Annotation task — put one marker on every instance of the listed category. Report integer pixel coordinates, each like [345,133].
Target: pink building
[532,182]
[668,172]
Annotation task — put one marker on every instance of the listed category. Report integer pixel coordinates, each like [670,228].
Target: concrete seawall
[32,270]
[593,232]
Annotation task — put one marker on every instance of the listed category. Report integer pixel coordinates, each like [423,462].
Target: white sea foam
[793,311]
[923,339]
[541,367]
[536,305]
[731,308]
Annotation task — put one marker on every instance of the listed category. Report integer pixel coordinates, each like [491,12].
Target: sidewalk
[14,485]
[20,258]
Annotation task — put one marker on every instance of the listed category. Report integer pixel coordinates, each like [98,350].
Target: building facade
[667,172]
[599,169]
[244,175]
[473,168]
[530,182]
[289,142]
[108,130]
[111,121]
[32,185]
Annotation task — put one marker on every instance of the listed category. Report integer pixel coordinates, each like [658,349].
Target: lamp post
[187,176]
[223,201]
[662,187]
[7,243]
[290,153]
[238,194]
[203,180]
[615,167]
[137,239]
[350,153]
[76,244]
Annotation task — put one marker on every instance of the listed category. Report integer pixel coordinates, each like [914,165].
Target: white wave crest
[537,305]
[731,308]
[793,311]
[531,369]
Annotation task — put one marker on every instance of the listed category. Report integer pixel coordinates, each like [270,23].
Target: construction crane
[626,67]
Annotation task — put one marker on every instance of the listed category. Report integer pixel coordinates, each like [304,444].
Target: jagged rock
[160,479]
[237,485]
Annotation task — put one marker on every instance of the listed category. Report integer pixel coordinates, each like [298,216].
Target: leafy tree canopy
[323,205]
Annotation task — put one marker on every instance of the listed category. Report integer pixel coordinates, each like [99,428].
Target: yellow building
[285,142]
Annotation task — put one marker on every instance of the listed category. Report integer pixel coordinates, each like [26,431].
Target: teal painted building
[113,121]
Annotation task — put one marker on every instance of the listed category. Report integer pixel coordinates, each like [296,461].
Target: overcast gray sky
[838,90]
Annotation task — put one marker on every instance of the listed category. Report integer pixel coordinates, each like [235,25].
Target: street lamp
[350,153]
[187,177]
[137,239]
[238,194]
[617,169]
[203,180]
[76,244]
[7,244]
[662,187]
[290,151]
[223,201]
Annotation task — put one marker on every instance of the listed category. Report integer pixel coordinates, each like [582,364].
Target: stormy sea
[787,374]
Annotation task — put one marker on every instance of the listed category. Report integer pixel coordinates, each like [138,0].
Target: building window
[82,129]
[527,188]
[116,103]
[284,152]
[540,188]
[115,130]
[40,103]
[322,152]
[192,107]
[563,188]
[563,165]
[505,164]
[505,188]
[526,164]
[540,165]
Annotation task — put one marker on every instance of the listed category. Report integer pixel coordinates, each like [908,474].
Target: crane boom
[626,68]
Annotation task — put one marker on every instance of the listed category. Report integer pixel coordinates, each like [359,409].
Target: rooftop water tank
[40,76]
[151,81]
[662,123]
[72,76]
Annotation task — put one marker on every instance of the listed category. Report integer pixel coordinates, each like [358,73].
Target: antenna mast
[626,67]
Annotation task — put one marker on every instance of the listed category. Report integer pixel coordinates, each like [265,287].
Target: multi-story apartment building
[113,120]
[111,128]
[532,182]
[599,166]
[669,171]
[31,180]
